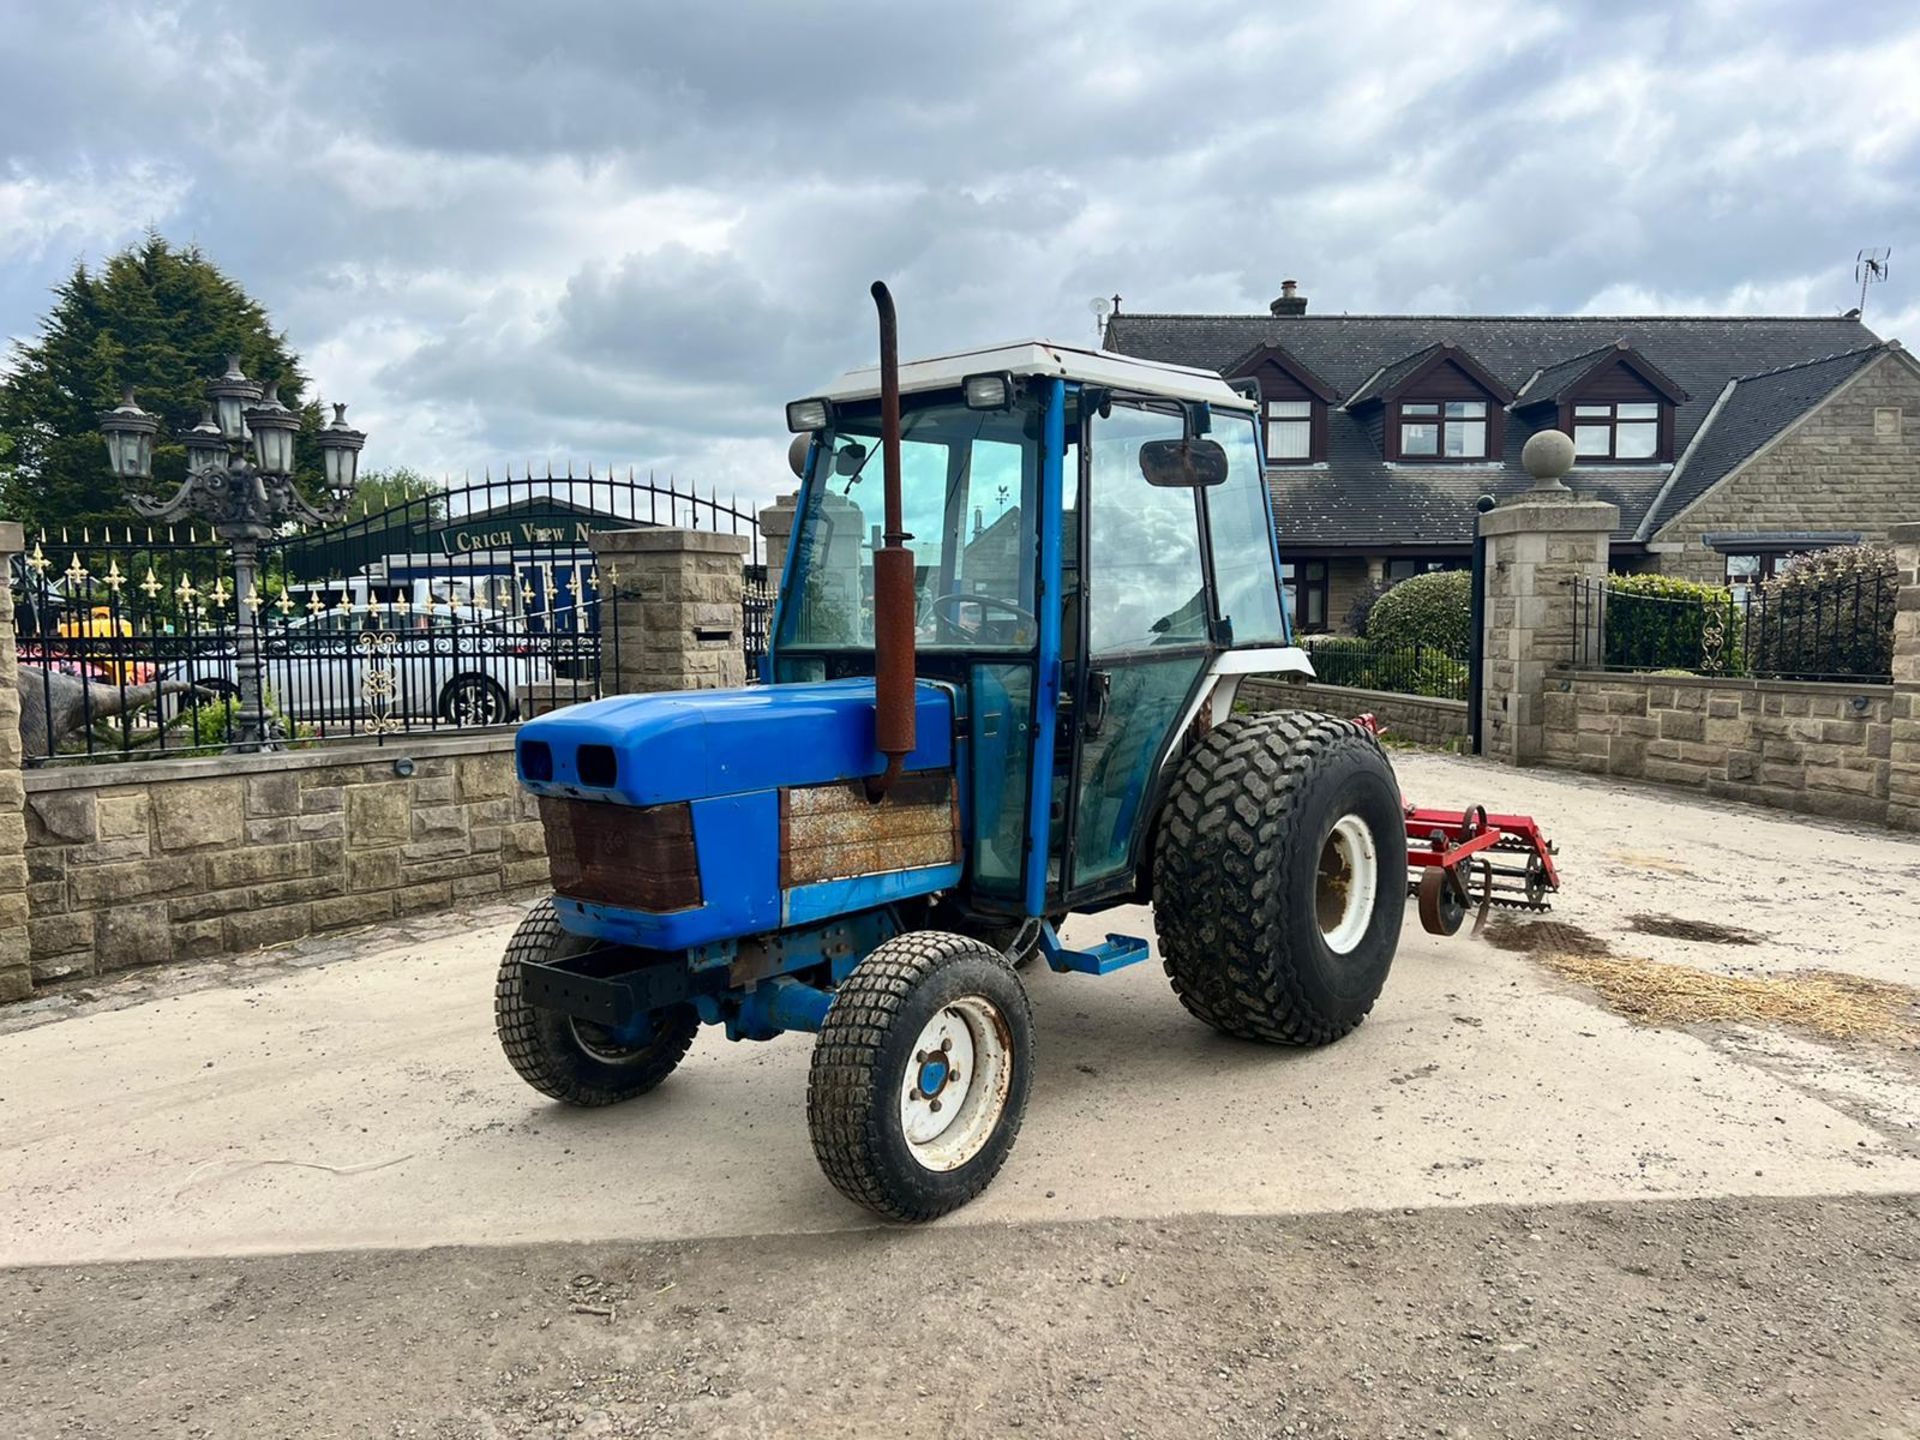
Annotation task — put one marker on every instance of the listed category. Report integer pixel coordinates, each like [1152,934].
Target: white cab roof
[1044,357]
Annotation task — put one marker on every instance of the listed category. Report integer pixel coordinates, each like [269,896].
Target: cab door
[1138,649]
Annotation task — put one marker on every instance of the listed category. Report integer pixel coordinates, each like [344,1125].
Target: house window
[1628,430]
[1289,431]
[1443,429]
[1401,568]
[1305,584]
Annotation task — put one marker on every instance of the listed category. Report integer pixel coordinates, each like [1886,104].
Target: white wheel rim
[955,1089]
[1344,885]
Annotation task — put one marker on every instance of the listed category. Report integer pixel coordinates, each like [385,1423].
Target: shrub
[1664,622]
[1434,609]
[1829,613]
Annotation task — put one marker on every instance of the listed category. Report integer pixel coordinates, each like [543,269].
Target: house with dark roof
[1728,442]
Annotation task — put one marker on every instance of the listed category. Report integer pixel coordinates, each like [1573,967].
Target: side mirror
[848,459]
[1183,464]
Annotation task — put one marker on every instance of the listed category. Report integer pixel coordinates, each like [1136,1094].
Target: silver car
[456,664]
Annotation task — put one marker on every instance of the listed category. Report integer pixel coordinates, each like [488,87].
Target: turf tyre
[1239,855]
[866,1050]
[552,1052]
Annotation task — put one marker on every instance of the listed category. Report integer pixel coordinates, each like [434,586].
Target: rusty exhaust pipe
[893,600]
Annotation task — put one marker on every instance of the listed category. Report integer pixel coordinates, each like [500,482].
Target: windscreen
[968,479]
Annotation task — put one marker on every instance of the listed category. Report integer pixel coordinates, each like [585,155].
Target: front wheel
[920,1075]
[576,1061]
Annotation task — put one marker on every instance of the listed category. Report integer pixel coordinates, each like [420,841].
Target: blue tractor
[1027,713]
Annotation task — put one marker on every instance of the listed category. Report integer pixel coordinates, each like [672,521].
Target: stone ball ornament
[1547,456]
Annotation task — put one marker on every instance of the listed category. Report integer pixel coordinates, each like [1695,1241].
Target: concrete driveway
[364,1103]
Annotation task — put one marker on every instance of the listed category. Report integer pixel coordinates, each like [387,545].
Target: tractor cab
[1093,570]
[1022,589]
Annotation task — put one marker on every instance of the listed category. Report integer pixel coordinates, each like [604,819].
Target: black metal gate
[467,607]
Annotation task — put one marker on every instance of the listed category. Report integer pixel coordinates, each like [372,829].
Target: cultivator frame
[1456,863]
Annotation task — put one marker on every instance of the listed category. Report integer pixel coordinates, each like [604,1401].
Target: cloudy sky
[617,231]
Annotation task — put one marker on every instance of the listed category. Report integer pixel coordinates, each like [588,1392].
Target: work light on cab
[806,415]
[988,392]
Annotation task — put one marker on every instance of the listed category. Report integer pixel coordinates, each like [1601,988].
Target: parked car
[458,664]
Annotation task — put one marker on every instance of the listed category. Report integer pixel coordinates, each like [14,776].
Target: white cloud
[607,232]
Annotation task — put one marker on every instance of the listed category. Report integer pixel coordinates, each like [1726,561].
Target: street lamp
[244,499]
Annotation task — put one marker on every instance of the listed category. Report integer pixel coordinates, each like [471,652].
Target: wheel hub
[956,1083]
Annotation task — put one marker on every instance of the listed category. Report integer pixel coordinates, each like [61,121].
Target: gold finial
[151,585]
[38,560]
[284,604]
[219,595]
[114,579]
[186,591]
[75,572]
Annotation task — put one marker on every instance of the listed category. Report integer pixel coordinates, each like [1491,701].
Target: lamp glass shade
[231,394]
[129,432]
[340,453]
[273,426]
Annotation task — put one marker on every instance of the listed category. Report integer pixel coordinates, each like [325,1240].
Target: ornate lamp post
[243,498]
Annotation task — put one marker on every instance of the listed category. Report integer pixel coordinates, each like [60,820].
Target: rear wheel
[576,1061]
[920,1075]
[1279,879]
[475,700]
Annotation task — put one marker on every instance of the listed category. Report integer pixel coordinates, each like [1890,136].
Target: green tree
[384,489]
[154,317]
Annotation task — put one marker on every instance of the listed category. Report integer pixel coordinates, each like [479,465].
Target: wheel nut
[933,1105]
[946,1044]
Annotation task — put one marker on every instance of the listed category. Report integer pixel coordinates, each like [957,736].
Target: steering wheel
[991,601]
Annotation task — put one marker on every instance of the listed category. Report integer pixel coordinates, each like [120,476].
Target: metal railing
[1840,630]
[465,609]
[1429,670]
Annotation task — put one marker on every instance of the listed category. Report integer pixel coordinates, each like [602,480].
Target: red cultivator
[1459,861]
[1462,860]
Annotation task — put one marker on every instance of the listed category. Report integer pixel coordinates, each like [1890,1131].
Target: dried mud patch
[1827,1002]
[1672,927]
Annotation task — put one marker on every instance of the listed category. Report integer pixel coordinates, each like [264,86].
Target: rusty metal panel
[833,832]
[622,855]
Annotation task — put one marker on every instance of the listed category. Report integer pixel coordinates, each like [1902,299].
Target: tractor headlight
[989,392]
[806,415]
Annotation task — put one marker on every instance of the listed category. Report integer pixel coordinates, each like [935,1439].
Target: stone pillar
[776,527]
[670,614]
[1903,779]
[16,981]
[1538,544]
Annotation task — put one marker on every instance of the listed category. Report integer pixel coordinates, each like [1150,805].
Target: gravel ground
[1698,1318]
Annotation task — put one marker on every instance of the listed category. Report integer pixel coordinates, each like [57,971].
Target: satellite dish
[1101,308]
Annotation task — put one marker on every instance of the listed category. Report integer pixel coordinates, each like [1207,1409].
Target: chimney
[1291,302]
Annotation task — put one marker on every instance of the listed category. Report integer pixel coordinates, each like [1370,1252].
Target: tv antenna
[1101,308]
[1870,268]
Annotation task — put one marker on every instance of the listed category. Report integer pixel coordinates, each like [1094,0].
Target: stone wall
[1819,749]
[1419,719]
[135,864]
[1854,465]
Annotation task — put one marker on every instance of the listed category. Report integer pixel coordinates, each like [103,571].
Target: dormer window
[1615,402]
[1294,404]
[1437,406]
[1622,430]
[1289,432]
[1443,429]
